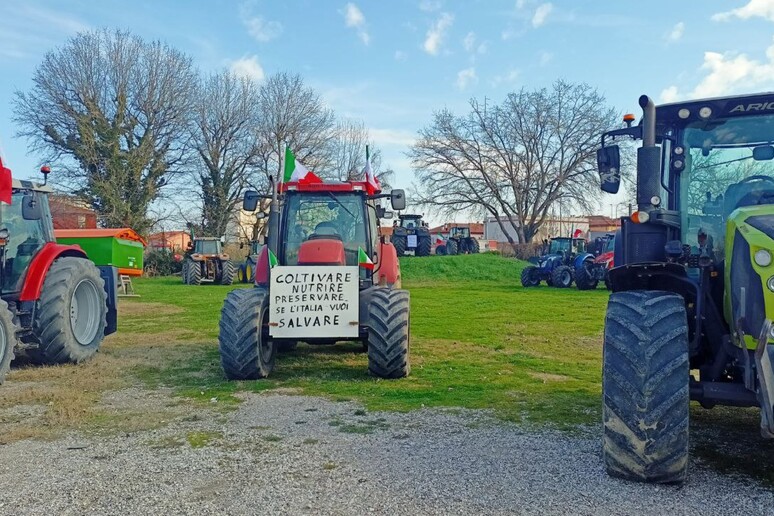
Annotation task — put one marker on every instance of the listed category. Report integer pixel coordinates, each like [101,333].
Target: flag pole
[368,156]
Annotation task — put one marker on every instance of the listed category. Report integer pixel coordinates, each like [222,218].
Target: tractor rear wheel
[250,270]
[451,247]
[389,334]
[583,276]
[400,244]
[440,250]
[227,272]
[530,277]
[645,387]
[423,246]
[194,272]
[8,340]
[562,277]
[241,274]
[70,316]
[473,246]
[246,351]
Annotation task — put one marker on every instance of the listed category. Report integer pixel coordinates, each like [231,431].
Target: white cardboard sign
[412,240]
[318,301]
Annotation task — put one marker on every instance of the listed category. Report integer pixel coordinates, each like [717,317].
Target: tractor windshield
[207,247]
[728,164]
[409,223]
[559,245]
[25,238]
[338,215]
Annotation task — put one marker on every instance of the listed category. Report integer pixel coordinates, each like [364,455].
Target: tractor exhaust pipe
[648,158]
[273,218]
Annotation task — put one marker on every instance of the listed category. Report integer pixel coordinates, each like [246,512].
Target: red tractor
[325,276]
[57,306]
[590,269]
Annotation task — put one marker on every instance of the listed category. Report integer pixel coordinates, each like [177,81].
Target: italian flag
[363,260]
[296,172]
[272,259]
[372,184]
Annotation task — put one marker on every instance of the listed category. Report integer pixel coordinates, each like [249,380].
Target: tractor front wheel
[562,277]
[530,277]
[645,378]
[70,317]
[389,335]
[440,250]
[451,247]
[246,351]
[583,276]
[8,339]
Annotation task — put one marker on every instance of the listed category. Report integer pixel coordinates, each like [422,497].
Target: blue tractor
[556,265]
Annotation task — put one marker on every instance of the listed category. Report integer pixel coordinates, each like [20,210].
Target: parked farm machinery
[556,265]
[206,262]
[411,234]
[590,268]
[246,270]
[459,242]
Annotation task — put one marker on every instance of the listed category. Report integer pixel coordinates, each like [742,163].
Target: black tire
[70,316]
[285,346]
[194,274]
[530,277]
[241,274]
[473,246]
[583,277]
[645,387]
[184,272]
[400,244]
[423,246]
[250,270]
[389,334]
[227,272]
[608,285]
[451,247]
[561,277]
[440,250]
[246,352]
[9,325]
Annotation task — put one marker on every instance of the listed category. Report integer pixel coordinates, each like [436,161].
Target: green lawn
[479,340]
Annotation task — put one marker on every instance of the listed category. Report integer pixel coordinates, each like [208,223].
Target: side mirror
[398,200]
[31,207]
[763,153]
[250,200]
[609,166]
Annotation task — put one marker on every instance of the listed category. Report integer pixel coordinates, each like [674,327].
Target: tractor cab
[410,222]
[693,279]
[207,246]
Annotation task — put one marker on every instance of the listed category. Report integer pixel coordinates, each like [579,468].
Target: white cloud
[520,4]
[541,13]
[400,55]
[670,94]
[753,9]
[392,137]
[545,58]
[676,34]
[429,5]
[436,34]
[263,30]
[469,42]
[466,77]
[482,48]
[729,73]
[248,66]
[353,17]
[509,78]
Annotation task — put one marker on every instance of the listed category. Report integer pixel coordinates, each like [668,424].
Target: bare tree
[517,159]
[349,154]
[111,110]
[223,137]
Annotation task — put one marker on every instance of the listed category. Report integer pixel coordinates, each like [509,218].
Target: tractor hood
[749,293]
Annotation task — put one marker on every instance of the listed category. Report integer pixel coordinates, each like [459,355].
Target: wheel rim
[84,312]
[248,272]
[565,278]
[3,343]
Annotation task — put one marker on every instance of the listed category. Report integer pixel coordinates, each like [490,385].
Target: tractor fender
[36,274]
[578,263]
[261,271]
[389,266]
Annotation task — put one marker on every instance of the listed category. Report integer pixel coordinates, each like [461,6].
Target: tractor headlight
[770,283]
[762,258]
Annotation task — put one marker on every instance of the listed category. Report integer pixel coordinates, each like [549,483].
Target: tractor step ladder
[125,288]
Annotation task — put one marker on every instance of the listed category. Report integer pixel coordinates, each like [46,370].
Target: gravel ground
[280,454]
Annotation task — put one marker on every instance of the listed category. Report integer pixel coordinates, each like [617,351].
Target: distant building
[600,225]
[589,226]
[69,212]
[170,240]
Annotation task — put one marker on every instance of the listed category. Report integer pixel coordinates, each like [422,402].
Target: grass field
[479,341]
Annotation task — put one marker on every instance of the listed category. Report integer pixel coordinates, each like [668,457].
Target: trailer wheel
[227,272]
[8,339]
[246,351]
[583,277]
[70,317]
[530,276]
[400,244]
[562,277]
[645,387]
[389,334]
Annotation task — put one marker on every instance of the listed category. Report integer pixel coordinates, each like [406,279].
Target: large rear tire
[583,277]
[423,247]
[645,387]
[400,244]
[227,272]
[184,272]
[451,247]
[473,246]
[194,272]
[530,277]
[70,316]
[246,351]
[389,334]
[250,270]
[561,277]
[8,339]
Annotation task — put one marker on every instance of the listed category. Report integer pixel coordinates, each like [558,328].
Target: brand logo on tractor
[755,106]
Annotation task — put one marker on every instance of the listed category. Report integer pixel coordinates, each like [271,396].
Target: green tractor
[246,270]
[693,282]
[459,242]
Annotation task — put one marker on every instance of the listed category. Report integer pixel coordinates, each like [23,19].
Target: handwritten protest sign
[314,302]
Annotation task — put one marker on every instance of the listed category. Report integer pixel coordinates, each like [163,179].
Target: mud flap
[764,365]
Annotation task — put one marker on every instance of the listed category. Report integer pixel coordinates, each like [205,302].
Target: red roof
[476,228]
[122,233]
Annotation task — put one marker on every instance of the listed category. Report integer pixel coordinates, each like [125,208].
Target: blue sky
[392,63]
